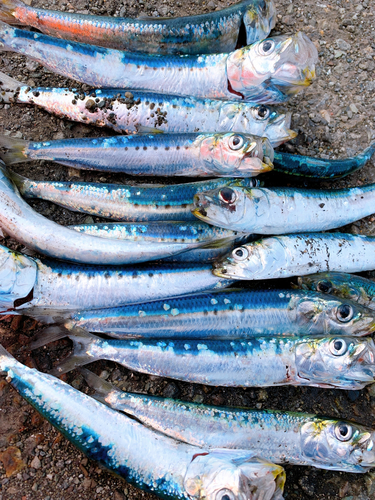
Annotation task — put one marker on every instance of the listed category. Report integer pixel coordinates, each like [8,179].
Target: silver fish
[197,155]
[341,362]
[47,287]
[298,254]
[133,111]
[171,469]
[284,210]
[269,71]
[282,437]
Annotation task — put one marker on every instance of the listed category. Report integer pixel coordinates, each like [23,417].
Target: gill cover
[17,277]
[233,475]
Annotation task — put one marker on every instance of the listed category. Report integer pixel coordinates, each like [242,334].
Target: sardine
[348,286]
[211,32]
[269,71]
[47,287]
[127,203]
[298,254]
[144,111]
[195,155]
[21,222]
[341,362]
[284,210]
[282,437]
[320,168]
[145,458]
[231,314]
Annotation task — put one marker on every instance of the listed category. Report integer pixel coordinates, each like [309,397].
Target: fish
[139,112]
[127,203]
[197,155]
[320,168]
[298,254]
[212,32]
[20,221]
[170,469]
[348,286]
[343,362]
[230,314]
[45,287]
[266,72]
[279,436]
[283,210]
[159,232]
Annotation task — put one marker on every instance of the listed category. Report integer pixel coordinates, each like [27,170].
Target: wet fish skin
[159,232]
[349,286]
[198,155]
[284,210]
[146,459]
[230,314]
[127,203]
[211,32]
[298,254]
[173,114]
[341,362]
[320,168]
[265,72]
[282,437]
[49,287]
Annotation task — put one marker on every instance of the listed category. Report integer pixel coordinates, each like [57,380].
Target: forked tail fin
[17,150]
[82,342]
[8,88]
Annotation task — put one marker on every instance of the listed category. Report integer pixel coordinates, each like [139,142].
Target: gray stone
[342,44]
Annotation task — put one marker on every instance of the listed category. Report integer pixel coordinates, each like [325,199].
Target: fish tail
[17,150]
[101,387]
[7,11]
[368,152]
[6,360]
[8,88]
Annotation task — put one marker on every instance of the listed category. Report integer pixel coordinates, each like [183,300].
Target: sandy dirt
[335,117]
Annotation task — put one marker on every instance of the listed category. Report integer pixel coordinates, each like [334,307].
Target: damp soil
[335,117]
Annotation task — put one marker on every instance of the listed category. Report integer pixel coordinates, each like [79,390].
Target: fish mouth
[200,202]
[219,269]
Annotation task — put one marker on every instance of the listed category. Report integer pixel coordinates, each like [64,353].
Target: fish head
[247,261]
[236,155]
[261,120]
[286,62]
[232,207]
[259,19]
[346,362]
[17,277]
[233,475]
[338,445]
[327,314]
[336,284]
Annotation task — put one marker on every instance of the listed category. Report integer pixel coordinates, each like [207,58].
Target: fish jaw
[284,61]
[278,129]
[224,207]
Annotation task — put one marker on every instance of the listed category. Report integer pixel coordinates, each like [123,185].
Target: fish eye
[240,253]
[338,347]
[224,494]
[227,195]
[236,142]
[343,431]
[267,47]
[345,313]
[324,287]
[262,112]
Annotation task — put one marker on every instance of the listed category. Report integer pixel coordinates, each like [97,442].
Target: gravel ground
[335,117]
